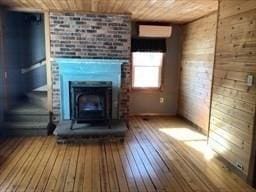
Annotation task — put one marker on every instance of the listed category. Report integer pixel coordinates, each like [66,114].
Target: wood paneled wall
[196,70]
[233,102]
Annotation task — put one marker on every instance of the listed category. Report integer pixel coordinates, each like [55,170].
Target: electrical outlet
[239,166]
[161,100]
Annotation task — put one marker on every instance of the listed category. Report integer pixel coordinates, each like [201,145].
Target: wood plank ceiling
[176,11]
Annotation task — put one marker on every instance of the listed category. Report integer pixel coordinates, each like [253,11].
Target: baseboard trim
[25,132]
[152,115]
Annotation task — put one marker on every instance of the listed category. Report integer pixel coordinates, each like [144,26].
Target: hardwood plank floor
[158,154]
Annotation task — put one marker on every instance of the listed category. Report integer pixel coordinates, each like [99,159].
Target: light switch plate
[5,75]
[250,79]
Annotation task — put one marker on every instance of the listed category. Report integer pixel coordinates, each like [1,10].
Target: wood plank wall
[196,70]
[233,102]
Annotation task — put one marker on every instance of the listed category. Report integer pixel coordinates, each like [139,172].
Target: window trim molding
[149,89]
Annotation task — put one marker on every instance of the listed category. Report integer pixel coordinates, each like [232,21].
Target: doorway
[25,79]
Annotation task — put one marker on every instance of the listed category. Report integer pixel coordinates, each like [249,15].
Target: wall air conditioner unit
[155,31]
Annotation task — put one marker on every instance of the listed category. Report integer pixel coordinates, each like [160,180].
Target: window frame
[161,73]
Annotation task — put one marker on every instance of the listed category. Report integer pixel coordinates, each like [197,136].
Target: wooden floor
[159,154]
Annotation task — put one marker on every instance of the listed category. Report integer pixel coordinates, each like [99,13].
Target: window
[147,69]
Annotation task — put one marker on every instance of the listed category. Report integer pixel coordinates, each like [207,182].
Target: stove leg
[72,123]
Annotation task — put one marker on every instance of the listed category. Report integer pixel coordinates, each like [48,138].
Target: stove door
[91,107]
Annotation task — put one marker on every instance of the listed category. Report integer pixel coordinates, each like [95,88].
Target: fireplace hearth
[91,101]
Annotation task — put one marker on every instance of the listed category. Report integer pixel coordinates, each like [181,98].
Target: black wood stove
[91,101]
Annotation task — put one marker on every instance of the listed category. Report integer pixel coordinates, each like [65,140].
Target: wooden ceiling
[176,11]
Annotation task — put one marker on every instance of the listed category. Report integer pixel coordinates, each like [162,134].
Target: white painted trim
[47,61]
[42,88]
[33,67]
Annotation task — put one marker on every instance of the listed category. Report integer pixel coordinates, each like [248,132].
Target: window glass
[147,69]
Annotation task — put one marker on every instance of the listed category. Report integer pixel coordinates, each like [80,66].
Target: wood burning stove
[91,101]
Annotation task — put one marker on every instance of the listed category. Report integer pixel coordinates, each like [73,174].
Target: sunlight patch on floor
[191,138]
[183,134]
[202,147]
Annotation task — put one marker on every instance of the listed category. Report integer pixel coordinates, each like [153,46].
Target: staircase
[30,118]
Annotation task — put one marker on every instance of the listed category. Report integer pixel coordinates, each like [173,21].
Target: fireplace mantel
[88,70]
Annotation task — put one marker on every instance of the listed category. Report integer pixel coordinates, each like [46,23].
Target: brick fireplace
[83,44]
